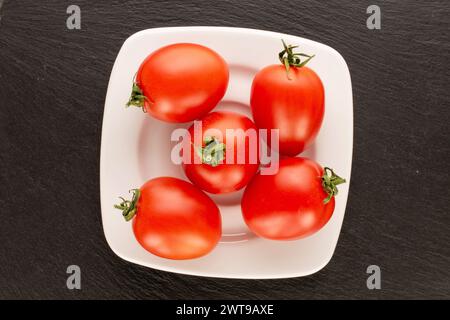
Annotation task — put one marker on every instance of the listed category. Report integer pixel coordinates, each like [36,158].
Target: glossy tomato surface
[294,105]
[182,82]
[290,204]
[176,220]
[240,161]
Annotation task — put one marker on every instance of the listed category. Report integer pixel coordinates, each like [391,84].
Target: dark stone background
[52,87]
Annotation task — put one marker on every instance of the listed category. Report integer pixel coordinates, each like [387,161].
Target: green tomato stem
[290,59]
[129,207]
[212,153]
[330,181]
[137,97]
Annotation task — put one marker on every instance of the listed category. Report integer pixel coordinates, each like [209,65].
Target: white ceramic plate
[135,147]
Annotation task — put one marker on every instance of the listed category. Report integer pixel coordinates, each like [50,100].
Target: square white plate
[135,147]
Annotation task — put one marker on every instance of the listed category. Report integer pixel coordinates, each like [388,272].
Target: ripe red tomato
[208,166]
[292,204]
[180,82]
[173,219]
[288,97]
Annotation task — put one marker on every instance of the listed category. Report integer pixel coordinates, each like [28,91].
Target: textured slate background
[52,88]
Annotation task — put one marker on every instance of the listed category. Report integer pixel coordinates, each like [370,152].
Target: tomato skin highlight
[295,106]
[176,220]
[288,205]
[229,176]
[182,81]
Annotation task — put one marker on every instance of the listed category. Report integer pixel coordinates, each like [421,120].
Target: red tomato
[288,97]
[209,168]
[294,203]
[173,219]
[180,82]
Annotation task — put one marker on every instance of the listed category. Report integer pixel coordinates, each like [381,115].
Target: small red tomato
[292,204]
[288,97]
[180,82]
[173,219]
[219,164]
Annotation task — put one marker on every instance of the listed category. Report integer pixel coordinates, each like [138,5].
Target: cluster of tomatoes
[183,82]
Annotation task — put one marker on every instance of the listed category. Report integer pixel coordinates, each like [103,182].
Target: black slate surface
[52,87]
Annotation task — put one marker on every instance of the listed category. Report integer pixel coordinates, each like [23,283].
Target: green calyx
[291,59]
[330,180]
[129,207]
[137,97]
[212,153]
